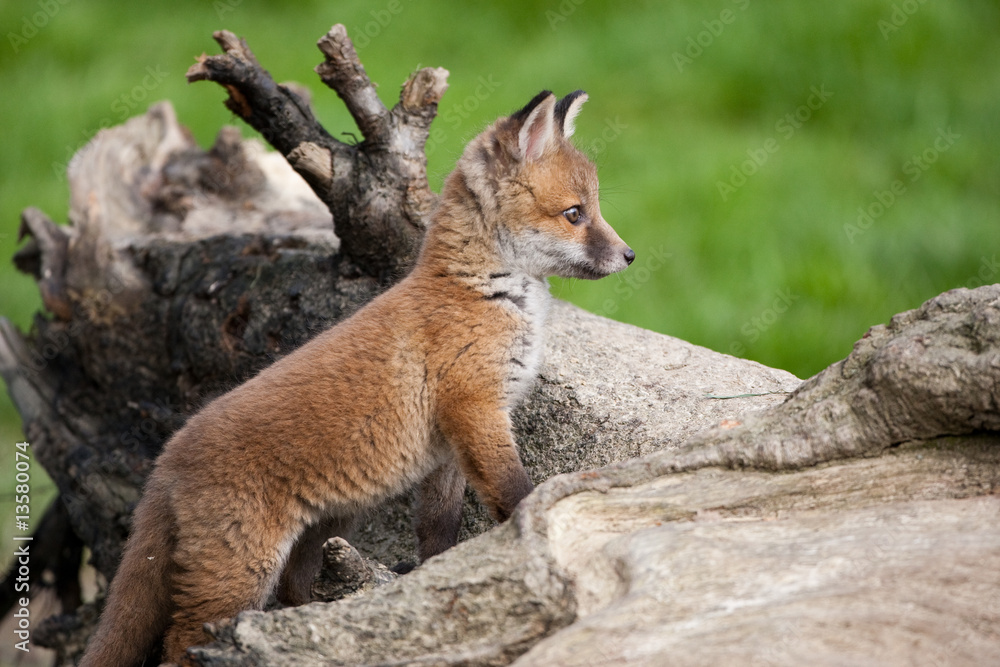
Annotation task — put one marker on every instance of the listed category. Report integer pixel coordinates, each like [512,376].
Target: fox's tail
[139,599]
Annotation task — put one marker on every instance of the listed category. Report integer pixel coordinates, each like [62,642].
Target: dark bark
[346,572]
[377,189]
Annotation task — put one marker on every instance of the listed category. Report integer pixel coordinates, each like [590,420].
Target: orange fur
[415,389]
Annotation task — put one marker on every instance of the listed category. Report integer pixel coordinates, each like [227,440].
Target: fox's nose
[629,255]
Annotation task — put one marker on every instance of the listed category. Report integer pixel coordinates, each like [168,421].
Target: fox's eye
[572,214]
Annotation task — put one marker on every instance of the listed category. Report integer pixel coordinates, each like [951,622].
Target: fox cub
[415,389]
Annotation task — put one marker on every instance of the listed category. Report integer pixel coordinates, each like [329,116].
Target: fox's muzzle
[607,252]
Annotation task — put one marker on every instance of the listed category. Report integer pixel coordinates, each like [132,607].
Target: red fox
[413,390]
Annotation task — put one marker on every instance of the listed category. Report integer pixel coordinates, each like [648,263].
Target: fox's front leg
[481,437]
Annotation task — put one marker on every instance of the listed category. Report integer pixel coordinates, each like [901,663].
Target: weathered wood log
[839,527]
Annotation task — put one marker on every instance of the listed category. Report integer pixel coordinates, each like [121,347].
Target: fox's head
[538,195]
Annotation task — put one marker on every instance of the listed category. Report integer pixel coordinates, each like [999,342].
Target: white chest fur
[529,298]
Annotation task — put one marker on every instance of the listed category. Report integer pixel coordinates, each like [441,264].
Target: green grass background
[715,271]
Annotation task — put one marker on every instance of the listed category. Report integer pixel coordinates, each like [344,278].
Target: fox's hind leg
[438,512]
[307,558]
[219,573]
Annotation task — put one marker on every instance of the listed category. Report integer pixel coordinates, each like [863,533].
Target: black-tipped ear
[522,115]
[537,132]
[566,111]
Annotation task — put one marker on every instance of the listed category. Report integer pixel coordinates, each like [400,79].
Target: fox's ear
[566,111]
[537,129]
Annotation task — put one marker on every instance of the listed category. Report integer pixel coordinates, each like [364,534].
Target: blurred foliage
[738,141]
